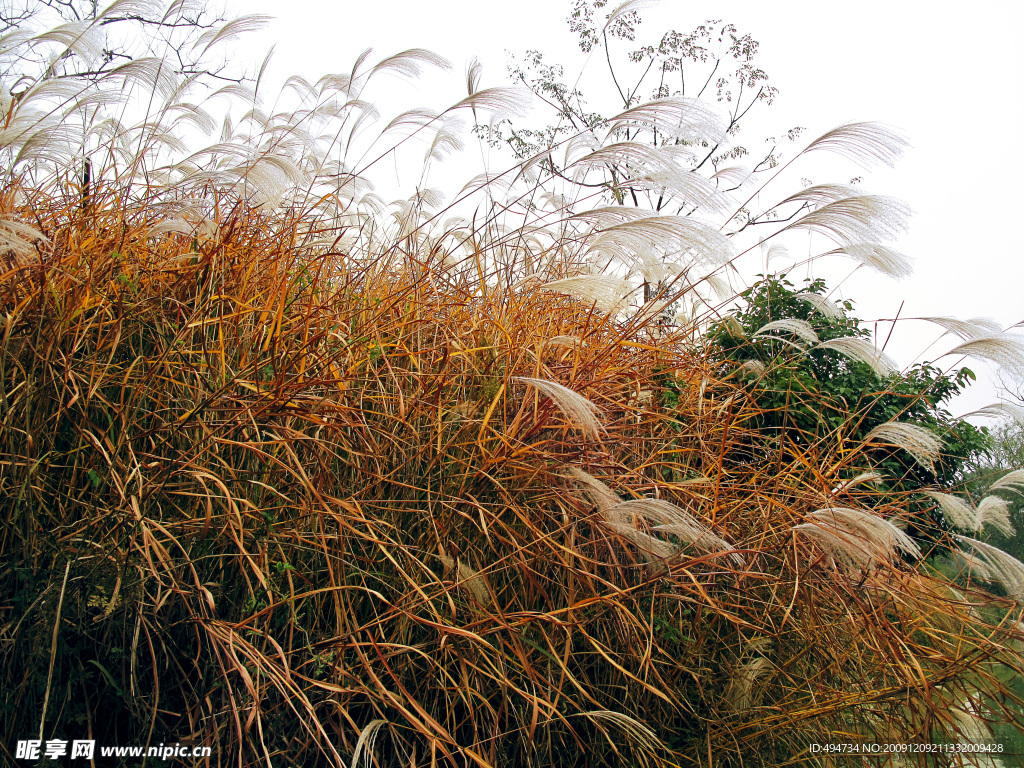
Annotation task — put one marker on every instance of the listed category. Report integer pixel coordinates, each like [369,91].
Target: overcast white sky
[947,74]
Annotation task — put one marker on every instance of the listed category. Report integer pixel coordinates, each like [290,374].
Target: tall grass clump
[315,480]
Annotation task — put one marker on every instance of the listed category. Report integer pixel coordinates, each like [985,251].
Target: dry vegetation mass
[309,485]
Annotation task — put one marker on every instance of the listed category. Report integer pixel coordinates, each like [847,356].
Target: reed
[313,481]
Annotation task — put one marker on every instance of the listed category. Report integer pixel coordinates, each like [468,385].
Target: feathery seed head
[473,582]
[879,257]
[642,241]
[648,545]
[854,221]
[825,306]
[995,512]
[996,565]
[18,239]
[504,101]
[408,63]
[1001,410]
[637,731]
[863,351]
[679,117]
[773,251]
[1011,481]
[822,194]
[861,479]
[608,292]
[858,537]
[733,327]
[799,328]
[579,410]
[625,8]
[958,512]
[672,520]
[1005,350]
[919,442]
[603,497]
[564,341]
[753,366]
[965,329]
[230,30]
[863,142]
[363,755]
[740,693]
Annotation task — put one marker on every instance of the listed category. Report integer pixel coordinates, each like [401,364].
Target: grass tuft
[308,484]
